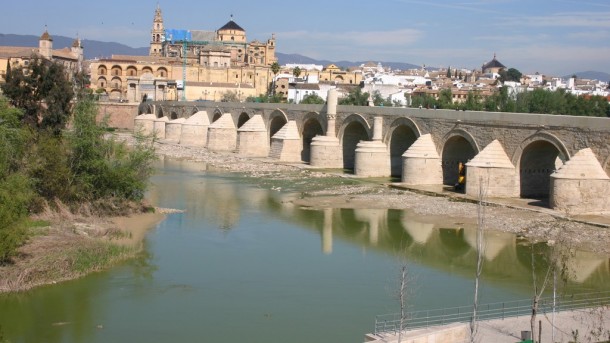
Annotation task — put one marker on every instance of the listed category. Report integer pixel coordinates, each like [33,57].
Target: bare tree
[404,292]
[480,251]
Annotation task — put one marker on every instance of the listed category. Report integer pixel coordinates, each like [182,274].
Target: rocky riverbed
[320,188]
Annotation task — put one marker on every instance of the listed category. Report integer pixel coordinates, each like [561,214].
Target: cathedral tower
[157,34]
[45,45]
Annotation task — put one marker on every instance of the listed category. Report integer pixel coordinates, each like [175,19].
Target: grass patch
[30,224]
[100,256]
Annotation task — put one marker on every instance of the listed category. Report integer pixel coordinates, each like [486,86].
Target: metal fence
[388,323]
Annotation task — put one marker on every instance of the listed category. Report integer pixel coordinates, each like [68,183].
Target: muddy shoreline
[535,225]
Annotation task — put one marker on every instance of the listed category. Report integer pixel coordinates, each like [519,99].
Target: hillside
[591,75]
[93,48]
[296,58]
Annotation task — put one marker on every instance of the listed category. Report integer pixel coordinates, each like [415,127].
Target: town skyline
[551,37]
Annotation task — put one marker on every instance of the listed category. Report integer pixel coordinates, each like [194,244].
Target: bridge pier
[286,144]
[252,138]
[222,134]
[145,124]
[195,129]
[173,130]
[580,186]
[373,158]
[422,163]
[492,172]
[159,127]
[326,151]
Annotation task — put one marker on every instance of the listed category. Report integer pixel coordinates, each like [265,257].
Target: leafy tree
[265,98]
[511,74]
[423,100]
[229,96]
[43,91]
[296,72]
[355,98]
[378,100]
[312,99]
[445,99]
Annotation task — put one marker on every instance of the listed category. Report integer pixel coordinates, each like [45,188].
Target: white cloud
[354,38]
[572,19]
[590,35]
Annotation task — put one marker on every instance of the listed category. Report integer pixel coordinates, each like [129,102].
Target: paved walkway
[591,325]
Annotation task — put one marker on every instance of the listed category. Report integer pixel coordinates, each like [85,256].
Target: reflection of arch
[354,129]
[311,128]
[402,134]
[538,157]
[243,118]
[453,242]
[459,146]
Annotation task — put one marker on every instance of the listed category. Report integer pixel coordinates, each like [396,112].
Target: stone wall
[119,115]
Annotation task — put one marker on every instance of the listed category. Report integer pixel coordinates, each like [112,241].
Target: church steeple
[157,33]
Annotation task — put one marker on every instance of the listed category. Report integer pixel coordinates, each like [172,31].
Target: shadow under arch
[402,134]
[277,120]
[145,108]
[173,115]
[312,126]
[537,157]
[354,129]
[243,118]
[606,165]
[216,115]
[458,146]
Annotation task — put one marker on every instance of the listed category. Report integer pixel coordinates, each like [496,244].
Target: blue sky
[555,37]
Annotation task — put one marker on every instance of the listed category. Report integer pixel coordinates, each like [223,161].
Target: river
[244,264]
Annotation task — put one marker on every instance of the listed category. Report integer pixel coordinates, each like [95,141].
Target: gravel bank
[324,188]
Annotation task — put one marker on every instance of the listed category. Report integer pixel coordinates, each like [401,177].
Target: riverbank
[331,188]
[63,246]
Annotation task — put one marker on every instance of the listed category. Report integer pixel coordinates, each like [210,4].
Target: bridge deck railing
[390,323]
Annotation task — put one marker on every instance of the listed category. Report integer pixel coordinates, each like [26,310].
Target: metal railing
[389,323]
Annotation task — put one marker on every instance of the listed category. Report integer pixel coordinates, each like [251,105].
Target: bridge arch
[402,134]
[277,120]
[354,129]
[242,119]
[195,110]
[537,157]
[458,146]
[312,126]
[173,115]
[216,115]
[144,108]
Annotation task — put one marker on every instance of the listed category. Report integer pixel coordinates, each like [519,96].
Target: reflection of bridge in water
[452,249]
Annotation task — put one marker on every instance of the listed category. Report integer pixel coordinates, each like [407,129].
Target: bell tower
[157,34]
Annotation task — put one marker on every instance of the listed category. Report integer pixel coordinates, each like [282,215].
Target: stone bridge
[563,158]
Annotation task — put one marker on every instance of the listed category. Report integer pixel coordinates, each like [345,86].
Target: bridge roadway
[506,154]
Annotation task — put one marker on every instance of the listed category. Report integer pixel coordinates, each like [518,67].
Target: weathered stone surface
[159,127]
[195,129]
[491,174]
[286,144]
[173,130]
[252,138]
[421,163]
[326,152]
[372,160]
[222,135]
[580,186]
[145,124]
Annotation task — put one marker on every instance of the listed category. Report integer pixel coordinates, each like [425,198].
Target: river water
[243,264]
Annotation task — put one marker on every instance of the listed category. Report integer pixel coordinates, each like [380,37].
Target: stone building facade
[19,56]
[188,65]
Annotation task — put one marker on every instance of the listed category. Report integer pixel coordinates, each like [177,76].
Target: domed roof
[231,25]
[493,64]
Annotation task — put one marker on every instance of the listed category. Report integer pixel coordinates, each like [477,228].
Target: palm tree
[275,68]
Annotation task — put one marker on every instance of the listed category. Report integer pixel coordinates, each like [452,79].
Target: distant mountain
[93,48]
[300,59]
[591,75]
